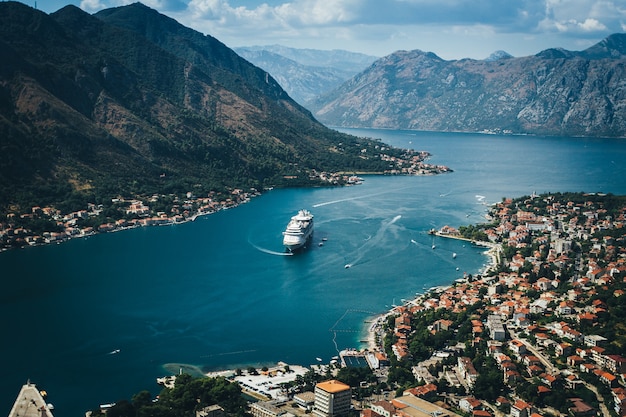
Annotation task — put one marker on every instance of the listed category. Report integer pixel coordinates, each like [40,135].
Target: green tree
[489,384]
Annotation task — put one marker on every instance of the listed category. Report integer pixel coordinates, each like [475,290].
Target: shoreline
[493,250]
[375,329]
[136,224]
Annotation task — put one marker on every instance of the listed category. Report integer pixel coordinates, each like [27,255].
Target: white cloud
[299,12]
[450,28]
[590,25]
[583,16]
[91,5]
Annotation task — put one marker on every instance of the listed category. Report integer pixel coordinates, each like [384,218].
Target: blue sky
[452,29]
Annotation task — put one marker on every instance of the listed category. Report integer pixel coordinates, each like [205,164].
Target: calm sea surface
[220,292]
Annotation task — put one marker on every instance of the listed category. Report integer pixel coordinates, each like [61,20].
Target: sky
[452,29]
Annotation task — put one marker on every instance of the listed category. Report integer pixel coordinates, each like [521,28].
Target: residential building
[332,399]
[211,411]
[265,409]
[410,406]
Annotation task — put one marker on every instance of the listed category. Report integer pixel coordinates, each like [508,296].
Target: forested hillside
[129,102]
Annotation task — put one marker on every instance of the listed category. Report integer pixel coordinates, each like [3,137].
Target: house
[469,404]
[619,399]
[368,412]
[520,409]
[579,408]
[608,379]
[442,324]
[467,370]
[563,349]
[542,390]
[423,391]
[517,346]
[575,360]
[383,408]
[615,363]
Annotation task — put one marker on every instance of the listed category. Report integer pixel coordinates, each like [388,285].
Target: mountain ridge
[306,73]
[555,92]
[128,101]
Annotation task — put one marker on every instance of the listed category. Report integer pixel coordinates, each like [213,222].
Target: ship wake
[371,242]
[271,252]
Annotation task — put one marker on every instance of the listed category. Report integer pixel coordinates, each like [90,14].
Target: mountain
[498,55]
[336,58]
[129,102]
[556,92]
[306,73]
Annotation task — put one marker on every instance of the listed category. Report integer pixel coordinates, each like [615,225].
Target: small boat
[319,359]
[320,244]
[434,246]
[347,266]
[454,255]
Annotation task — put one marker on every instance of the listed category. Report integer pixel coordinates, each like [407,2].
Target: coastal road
[605,411]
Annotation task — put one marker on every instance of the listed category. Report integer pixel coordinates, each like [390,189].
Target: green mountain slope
[129,102]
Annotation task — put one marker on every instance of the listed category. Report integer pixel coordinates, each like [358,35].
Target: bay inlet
[219,292]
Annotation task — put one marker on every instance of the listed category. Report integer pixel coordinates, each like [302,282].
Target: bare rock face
[555,92]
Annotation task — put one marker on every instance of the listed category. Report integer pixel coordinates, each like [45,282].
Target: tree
[353,376]
[141,399]
[401,376]
[122,408]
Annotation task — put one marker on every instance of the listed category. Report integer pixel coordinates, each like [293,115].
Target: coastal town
[538,333]
[541,327]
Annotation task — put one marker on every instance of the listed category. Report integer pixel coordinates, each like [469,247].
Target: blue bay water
[220,292]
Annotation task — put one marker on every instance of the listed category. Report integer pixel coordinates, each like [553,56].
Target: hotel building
[332,399]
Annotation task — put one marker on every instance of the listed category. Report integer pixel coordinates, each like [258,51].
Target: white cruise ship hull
[298,231]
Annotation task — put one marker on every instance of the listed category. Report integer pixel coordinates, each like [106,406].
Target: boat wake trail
[371,242]
[238,352]
[326,203]
[271,252]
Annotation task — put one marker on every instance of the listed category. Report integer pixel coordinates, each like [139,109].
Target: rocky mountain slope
[129,102]
[306,73]
[555,92]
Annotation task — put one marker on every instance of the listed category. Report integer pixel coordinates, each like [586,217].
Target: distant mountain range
[129,102]
[306,73]
[556,92]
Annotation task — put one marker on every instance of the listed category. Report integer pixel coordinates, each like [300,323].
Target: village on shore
[45,225]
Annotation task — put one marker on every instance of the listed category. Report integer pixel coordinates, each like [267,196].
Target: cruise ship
[299,230]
